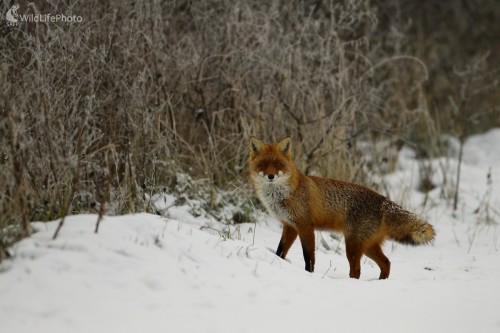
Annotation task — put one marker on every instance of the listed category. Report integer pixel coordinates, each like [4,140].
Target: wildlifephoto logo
[13,17]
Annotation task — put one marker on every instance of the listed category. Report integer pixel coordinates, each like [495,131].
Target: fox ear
[285,145]
[256,145]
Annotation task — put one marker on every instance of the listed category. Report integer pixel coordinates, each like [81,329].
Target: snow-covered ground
[145,273]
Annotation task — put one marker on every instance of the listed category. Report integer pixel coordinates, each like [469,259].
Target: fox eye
[278,165]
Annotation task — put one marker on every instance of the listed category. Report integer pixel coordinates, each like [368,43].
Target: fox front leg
[306,235]
[288,236]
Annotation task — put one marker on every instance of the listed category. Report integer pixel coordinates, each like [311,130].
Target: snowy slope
[145,273]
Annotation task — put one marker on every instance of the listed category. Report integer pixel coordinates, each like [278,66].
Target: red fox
[304,203]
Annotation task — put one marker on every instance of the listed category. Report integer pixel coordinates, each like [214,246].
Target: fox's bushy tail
[405,227]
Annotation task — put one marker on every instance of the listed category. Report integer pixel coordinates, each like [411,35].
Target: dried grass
[106,110]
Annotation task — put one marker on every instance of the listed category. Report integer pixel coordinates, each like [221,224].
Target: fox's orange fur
[304,203]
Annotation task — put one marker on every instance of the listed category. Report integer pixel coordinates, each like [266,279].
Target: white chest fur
[272,196]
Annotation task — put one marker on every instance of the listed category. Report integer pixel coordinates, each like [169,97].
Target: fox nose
[270,176]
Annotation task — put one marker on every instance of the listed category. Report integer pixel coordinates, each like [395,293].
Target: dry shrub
[106,110]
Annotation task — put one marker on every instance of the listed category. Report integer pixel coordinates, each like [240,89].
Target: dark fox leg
[354,252]
[306,235]
[375,253]
[288,236]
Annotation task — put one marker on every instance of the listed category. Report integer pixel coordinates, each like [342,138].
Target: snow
[146,273]
[482,150]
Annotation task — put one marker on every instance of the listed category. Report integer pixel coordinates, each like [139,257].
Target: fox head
[271,163]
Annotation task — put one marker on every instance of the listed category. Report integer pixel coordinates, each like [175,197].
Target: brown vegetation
[113,107]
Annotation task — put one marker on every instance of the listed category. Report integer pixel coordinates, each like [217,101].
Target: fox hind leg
[375,253]
[354,252]
[288,236]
